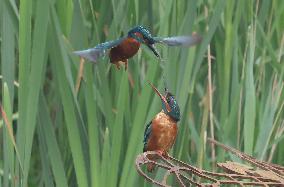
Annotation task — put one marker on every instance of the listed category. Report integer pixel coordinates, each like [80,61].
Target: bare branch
[253,173]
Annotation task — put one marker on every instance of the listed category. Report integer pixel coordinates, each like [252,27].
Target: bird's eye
[170,100]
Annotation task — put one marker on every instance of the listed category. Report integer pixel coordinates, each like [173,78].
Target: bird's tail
[91,54]
[183,41]
[150,167]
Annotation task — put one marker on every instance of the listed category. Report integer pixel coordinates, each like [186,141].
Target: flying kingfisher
[120,50]
[160,134]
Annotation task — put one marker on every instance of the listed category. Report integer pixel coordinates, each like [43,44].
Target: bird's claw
[163,154]
[126,65]
[117,65]
[160,153]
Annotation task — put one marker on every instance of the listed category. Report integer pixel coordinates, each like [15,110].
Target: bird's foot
[162,153]
[117,65]
[150,167]
[126,65]
[166,155]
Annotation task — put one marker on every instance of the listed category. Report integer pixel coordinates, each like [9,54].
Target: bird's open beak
[153,48]
[164,100]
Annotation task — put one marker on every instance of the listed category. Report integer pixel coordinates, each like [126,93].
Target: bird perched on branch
[120,50]
[160,134]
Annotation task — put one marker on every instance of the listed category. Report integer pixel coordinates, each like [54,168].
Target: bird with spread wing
[120,50]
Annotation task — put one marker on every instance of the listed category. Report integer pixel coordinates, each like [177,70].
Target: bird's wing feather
[184,41]
[147,133]
[93,54]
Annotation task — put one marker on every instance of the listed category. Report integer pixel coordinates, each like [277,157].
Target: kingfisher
[122,49]
[160,134]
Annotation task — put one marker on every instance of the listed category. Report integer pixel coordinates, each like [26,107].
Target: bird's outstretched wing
[147,133]
[93,54]
[184,41]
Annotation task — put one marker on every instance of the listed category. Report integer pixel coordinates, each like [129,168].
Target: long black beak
[163,98]
[153,48]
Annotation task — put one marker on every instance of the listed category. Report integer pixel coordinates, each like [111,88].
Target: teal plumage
[147,133]
[122,49]
[161,132]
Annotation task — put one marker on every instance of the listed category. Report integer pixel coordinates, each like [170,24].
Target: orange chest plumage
[163,134]
[125,50]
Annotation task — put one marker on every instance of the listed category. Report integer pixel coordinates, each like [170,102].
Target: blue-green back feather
[147,133]
[145,33]
[175,112]
[93,54]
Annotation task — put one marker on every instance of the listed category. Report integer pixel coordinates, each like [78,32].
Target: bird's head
[143,35]
[169,103]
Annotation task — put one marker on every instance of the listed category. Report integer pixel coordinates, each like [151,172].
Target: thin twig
[187,175]
[11,134]
[210,93]
[279,132]
[80,75]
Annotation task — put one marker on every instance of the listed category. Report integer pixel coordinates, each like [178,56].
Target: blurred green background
[53,135]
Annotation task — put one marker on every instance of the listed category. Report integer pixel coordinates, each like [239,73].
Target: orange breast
[164,132]
[125,50]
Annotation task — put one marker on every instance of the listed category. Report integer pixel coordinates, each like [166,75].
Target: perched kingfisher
[122,49]
[160,134]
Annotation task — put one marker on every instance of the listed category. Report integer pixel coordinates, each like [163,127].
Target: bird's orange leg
[117,65]
[126,64]
[162,153]
[166,155]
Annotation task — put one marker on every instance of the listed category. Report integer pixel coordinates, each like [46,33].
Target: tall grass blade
[57,53]
[250,103]
[52,148]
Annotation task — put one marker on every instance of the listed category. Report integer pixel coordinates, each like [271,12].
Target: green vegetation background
[91,138]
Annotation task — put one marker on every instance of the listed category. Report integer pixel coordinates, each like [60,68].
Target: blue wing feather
[147,133]
[184,41]
[93,54]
